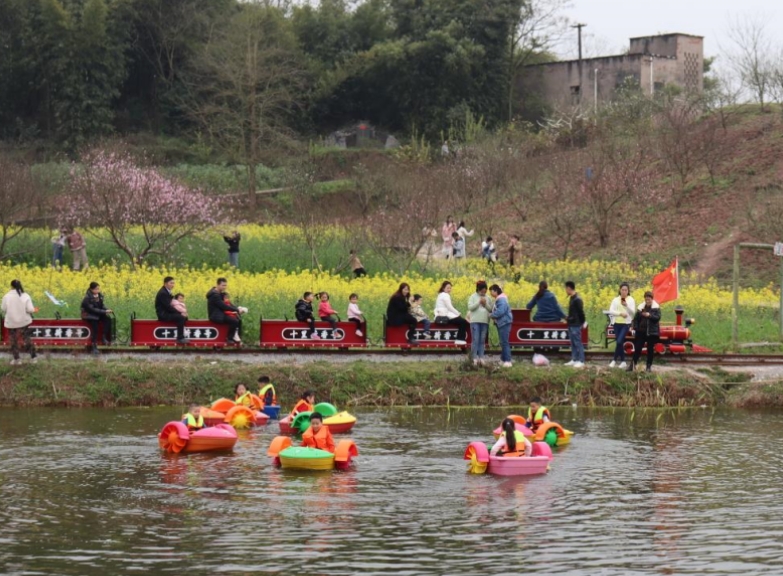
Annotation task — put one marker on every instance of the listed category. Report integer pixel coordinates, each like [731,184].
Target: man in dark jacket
[166,312]
[647,331]
[576,321]
[217,308]
[94,311]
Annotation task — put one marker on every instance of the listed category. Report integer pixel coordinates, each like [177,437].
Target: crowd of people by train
[486,306]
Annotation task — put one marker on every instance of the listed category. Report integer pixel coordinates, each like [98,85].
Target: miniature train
[291,334]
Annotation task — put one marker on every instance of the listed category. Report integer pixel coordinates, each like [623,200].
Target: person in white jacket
[445,313]
[18,310]
[621,314]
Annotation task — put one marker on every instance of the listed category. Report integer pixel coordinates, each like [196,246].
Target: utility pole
[579,66]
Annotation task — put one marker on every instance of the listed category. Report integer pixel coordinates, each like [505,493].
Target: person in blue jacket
[501,314]
[548,310]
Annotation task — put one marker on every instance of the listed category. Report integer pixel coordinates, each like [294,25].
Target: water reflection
[638,492]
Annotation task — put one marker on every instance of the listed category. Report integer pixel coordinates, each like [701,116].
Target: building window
[691,71]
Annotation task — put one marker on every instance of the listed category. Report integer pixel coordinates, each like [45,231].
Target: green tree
[246,85]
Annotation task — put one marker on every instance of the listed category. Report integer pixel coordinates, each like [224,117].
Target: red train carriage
[59,332]
[441,336]
[675,338]
[539,335]
[157,334]
[293,334]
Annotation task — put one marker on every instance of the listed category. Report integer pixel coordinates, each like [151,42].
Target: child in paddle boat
[511,441]
[318,435]
[305,404]
[537,414]
[266,391]
[242,395]
[193,419]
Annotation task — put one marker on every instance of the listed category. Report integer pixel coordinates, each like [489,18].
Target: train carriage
[525,333]
[59,332]
[294,334]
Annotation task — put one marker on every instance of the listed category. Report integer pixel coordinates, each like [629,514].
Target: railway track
[390,355]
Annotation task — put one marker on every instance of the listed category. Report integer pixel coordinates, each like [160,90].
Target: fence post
[735,300]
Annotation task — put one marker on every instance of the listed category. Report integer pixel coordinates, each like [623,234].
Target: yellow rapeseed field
[272,294]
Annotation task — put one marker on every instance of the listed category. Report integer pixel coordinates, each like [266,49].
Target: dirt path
[710,259]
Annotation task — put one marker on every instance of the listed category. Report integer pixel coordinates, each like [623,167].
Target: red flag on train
[666,285]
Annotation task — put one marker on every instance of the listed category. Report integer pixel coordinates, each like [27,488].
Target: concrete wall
[676,59]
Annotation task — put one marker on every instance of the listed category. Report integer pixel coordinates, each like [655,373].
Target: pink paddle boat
[515,464]
[176,438]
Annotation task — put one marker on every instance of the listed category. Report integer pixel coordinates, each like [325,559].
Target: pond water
[637,492]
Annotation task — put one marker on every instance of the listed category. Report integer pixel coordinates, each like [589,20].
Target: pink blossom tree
[135,207]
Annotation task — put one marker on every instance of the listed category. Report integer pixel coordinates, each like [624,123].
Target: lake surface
[637,492]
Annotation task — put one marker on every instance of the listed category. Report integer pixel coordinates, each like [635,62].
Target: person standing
[18,312]
[78,248]
[444,309]
[233,248]
[446,232]
[95,312]
[58,246]
[576,321]
[647,331]
[621,313]
[479,307]
[166,312]
[464,233]
[217,309]
[513,248]
[501,314]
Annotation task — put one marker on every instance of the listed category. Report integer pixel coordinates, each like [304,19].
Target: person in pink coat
[325,311]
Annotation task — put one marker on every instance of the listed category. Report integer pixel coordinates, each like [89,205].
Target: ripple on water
[645,492]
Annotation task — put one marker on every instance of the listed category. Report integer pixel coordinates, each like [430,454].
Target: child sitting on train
[318,435]
[193,419]
[325,311]
[266,391]
[242,395]
[421,316]
[305,404]
[537,414]
[304,313]
[511,441]
[178,303]
[354,314]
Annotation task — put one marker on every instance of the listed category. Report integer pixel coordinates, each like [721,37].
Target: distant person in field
[58,246]
[514,249]
[95,312]
[233,248]
[489,252]
[78,248]
[446,232]
[355,264]
[464,233]
[458,246]
[166,312]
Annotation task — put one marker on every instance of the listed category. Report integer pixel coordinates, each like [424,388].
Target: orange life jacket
[301,406]
[322,440]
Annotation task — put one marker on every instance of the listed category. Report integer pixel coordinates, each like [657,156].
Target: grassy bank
[133,383]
